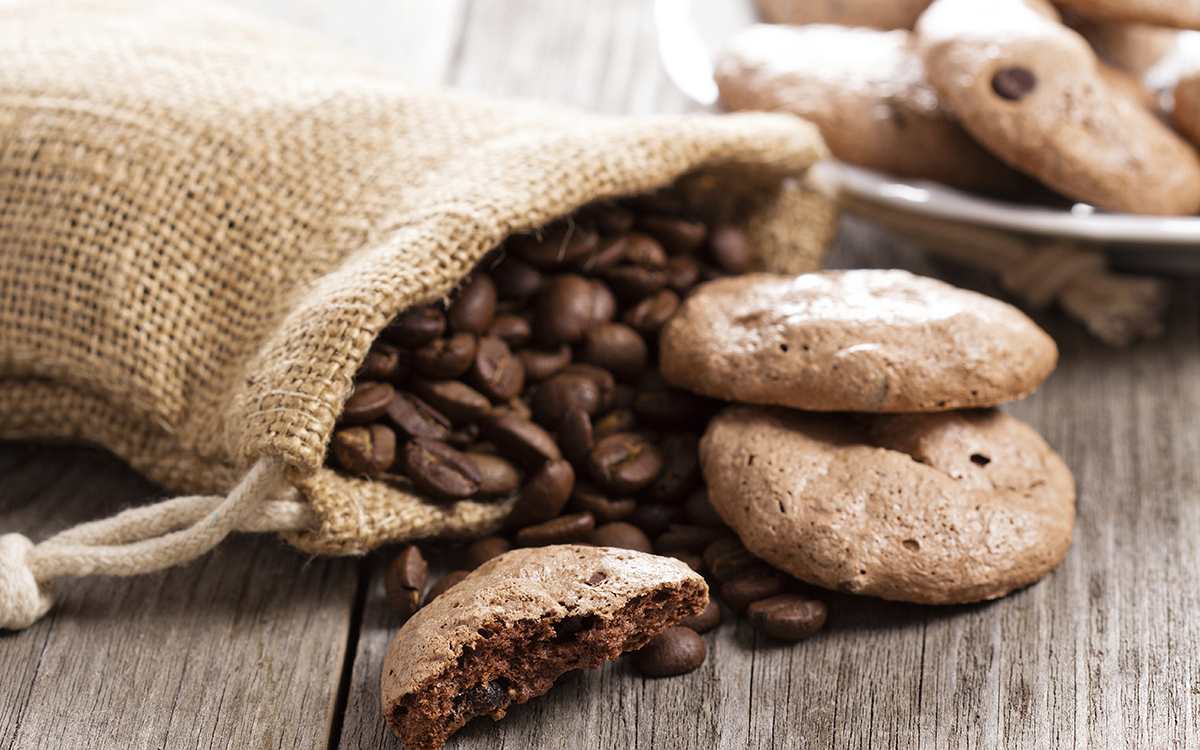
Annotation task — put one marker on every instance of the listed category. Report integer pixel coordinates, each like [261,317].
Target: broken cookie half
[520,621]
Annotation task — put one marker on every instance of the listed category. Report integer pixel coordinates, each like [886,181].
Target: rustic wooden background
[256,646]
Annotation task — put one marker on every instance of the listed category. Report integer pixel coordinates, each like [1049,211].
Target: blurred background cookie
[878,14]
[867,93]
[1182,14]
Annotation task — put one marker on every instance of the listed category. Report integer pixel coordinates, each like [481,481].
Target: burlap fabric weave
[206,218]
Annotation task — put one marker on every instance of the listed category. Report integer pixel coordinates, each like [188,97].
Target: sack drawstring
[143,539]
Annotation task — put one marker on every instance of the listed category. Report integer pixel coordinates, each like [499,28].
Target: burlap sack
[205,220]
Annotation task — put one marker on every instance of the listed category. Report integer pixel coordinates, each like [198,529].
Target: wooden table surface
[256,645]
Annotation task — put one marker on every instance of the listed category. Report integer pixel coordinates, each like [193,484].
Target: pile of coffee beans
[538,378]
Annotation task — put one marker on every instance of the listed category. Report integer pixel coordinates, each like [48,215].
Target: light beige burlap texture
[206,218]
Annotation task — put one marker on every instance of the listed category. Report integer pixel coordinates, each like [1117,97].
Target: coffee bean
[404,581]
[415,327]
[634,283]
[602,378]
[541,364]
[683,537]
[653,518]
[439,470]
[617,348]
[464,437]
[643,250]
[648,316]
[367,403]
[1013,83]
[697,510]
[561,244]
[681,469]
[481,550]
[693,560]
[516,280]
[514,329]
[730,249]
[677,234]
[624,463]
[446,358]
[607,254]
[557,395]
[617,420]
[604,303]
[412,417]
[458,401]
[621,534]
[384,362]
[676,650]
[740,593]
[706,620]
[608,218]
[521,440]
[497,477]
[564,311]
[601,506]
[787,617]
[683,273]
[568,529]
[543,495]
[727,558]
[575,437]
[367,450]
[474,306]
[496,372]
[444,584]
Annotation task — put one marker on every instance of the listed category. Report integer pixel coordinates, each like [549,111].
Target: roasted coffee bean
[474,306]
[653,518]
[458,401]
[617,420]
[557,395]
[575,437]
[681,537]
[412,417]
[1013,83]
[481,550]
[603,379]
[367,450]
[643,250]
[367,403]
[683,273]
[564,311]
[541,364]
[601,506]
[727,558]
[514,329]
[496,372]
[648,316]
[697,510]
[607,254]
[624,463]
[439,470]
[617,348]
[561,244]
[543,495]
[787,617]
[444,584]
[415,327]
[681,469]
[620,534]
[385,362]
[740,593]
[404,581]
[464,437]
[730,249]
[604,303]
[521,440]
[706,620]
[573,528]
[632,284]
[608,218]
[676,650]
[677,235]
[496,476]
[694,560]
[446,358]
[516,280]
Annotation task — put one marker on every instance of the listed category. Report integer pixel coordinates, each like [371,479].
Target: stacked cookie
[1000,98]
[865,453]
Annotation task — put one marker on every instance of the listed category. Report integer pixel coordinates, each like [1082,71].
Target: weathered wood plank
[241,648]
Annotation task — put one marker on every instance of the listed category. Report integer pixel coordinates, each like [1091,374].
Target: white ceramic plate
[690,32]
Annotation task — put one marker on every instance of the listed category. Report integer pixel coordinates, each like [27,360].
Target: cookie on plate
[931,508]
[877,14]
[507,631]
[866,92]
[1028,88]
[868,340]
